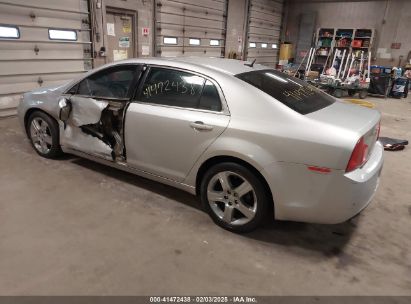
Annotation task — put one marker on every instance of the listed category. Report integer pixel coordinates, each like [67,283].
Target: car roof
[222,65]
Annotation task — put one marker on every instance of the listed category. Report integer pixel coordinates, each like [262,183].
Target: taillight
[358,156]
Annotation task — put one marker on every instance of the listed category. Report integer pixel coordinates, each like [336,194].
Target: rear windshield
[293,92]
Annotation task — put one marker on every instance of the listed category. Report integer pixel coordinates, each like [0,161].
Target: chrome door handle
[199,125]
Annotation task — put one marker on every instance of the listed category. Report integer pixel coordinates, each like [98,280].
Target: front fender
[44,99]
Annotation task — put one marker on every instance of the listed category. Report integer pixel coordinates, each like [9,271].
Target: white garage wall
[264,29]
[184,19]
[34,60]
[143,9]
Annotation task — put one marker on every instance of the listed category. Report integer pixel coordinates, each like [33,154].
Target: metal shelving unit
[353,40]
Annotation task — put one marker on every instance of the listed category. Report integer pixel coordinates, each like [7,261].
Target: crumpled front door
[85,111]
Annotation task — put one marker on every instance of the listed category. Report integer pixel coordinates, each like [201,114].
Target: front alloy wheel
[40,135]
[234,197]
[43,132]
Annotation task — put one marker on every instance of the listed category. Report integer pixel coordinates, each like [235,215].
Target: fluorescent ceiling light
[264,45]
[252,45]
[277,77]
[294,82]
[214,42]
[63,35]
[9,32]
[274,46]
[170,40]
[194,41]
[195,80]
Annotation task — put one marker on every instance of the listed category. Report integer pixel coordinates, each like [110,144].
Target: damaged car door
[93,112]
[173,119]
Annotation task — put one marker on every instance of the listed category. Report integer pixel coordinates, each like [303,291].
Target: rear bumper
[302,195]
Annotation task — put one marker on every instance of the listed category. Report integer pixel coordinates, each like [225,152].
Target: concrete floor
[73,227]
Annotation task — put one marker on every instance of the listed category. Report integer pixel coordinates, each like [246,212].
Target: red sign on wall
[145,31]
[396,45]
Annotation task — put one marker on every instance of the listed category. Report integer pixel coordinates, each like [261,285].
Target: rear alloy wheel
[44,134]
[234,197]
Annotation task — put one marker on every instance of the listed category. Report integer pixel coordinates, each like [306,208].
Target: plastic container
[376,69]
[286,51]
[356,43]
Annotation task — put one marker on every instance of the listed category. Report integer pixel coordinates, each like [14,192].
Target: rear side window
[172,88]
[111,83]
[210,99]
[294,93]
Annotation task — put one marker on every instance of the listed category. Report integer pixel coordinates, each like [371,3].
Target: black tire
[261,204]
[351,93]
[338,93]
[53,148]
[363,94]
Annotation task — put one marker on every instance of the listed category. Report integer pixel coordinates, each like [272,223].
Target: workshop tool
[337,53]
[307,72]
[341,63]
[369,67]
[299,67]
[308,60]
[346,65]
[361,63]
[349,69]
[328,56]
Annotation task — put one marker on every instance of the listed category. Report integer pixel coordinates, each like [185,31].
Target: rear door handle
[199,125]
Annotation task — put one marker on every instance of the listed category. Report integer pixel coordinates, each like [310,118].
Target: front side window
[293,92]
[172,88]
[73,90]
[112,82]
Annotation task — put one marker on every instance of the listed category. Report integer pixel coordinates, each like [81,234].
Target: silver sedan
[248,140]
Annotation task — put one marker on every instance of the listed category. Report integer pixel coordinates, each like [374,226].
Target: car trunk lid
[360,120]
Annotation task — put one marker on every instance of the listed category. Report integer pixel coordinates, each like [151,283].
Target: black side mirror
[65,109]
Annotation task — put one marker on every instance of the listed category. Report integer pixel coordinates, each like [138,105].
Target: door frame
[134,22]
[127,100]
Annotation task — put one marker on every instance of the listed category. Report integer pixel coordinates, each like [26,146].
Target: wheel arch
[31,111]
[226,158]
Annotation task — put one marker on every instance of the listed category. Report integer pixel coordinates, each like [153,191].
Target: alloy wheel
[232,198]
[40,135]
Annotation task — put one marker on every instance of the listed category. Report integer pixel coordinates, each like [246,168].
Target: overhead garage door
[190,28]
[42,42]
[264,27]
